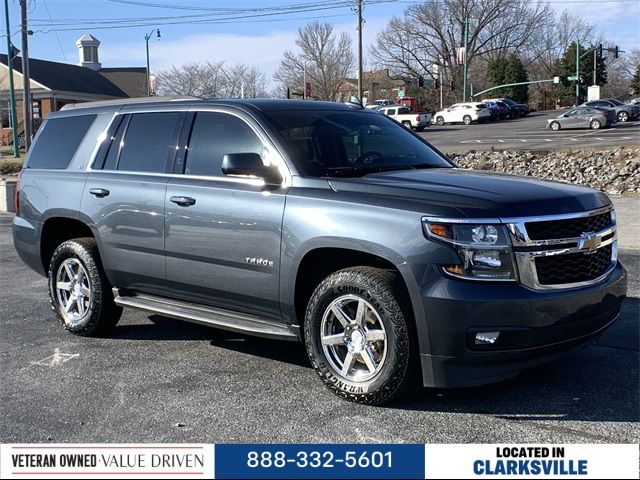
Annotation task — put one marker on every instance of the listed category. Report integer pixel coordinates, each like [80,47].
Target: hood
[477,194]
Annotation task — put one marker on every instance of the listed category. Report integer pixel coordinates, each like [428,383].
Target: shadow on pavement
[594,384]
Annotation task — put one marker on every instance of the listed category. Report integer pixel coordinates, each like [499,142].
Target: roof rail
[129,101]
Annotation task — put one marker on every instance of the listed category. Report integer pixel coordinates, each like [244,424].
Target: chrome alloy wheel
[73,290]
[353,338]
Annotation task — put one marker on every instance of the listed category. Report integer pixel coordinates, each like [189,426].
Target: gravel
[614,171]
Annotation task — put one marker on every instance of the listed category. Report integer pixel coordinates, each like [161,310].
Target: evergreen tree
[505,70]
[566,66]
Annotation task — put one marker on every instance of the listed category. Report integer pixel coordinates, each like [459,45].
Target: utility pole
[595,66]
[12,91]
[577,71]
[26,89]
[359,2]
[465,72]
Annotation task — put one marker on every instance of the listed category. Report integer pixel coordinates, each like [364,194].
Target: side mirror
[250,165]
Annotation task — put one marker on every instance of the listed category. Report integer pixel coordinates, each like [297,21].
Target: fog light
[487,338]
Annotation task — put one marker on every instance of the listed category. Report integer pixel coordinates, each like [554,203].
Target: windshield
[509,102]
[325,143]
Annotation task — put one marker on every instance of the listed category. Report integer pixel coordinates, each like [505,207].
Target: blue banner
[374,461]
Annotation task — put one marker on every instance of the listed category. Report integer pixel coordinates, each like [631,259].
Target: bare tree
[426,38]
[212,80]
[326,58]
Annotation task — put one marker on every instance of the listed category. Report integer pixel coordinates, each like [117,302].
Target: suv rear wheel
[623,116]
[79,291]
[357,335]
[466,120]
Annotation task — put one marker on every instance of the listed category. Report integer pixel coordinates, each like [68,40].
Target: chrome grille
[564,251]
[571,227]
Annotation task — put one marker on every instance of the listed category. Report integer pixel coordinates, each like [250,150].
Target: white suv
[463,113]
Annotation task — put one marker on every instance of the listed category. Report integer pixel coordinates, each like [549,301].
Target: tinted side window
[111,160]
[149,140]
[212,137]
[58,142]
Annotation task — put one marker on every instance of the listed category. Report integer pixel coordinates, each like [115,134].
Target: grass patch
[10,166]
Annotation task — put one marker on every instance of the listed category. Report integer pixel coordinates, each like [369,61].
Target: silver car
[584,117]
[624,111]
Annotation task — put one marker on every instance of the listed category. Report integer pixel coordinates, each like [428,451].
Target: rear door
[124,197]
[223,233]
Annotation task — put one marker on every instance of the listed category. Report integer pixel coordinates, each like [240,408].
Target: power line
[82,24]
[64,55]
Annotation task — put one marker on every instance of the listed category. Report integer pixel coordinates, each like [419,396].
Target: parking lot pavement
[154,379]
[528,133]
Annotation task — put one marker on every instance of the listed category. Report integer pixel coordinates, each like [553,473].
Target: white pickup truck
[403,115]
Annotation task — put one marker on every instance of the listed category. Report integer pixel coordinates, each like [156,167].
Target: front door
[223,234]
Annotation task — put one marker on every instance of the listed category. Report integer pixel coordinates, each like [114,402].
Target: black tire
[595,125]
[555,126]
[407,124]
[440,121]
[623,116]
[466,120]
[419,129]
[392,309]
[101,313]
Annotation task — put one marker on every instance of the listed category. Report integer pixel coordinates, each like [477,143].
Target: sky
[257,41]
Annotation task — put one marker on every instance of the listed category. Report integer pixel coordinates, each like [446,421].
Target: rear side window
[59,141]
[212,137]
[149,141]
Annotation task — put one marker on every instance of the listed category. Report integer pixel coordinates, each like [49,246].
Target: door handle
[183,201]
[99,192]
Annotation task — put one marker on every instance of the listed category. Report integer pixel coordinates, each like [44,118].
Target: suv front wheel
[358,337]
[79,291]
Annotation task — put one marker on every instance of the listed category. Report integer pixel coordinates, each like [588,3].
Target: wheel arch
[59,229]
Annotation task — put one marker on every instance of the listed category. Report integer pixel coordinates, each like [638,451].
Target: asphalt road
[528,133]
[159,380]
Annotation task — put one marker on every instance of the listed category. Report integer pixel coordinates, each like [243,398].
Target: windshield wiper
[359,170]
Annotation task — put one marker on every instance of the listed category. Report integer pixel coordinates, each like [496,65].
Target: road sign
[556,79]
[401,93]
[573,78]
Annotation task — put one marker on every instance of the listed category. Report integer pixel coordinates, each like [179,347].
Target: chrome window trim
[267,143]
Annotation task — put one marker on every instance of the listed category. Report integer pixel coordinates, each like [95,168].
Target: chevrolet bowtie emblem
[590,242]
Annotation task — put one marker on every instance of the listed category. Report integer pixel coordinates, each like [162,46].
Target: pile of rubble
[614,171]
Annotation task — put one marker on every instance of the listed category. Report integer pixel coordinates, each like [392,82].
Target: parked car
[498,109]
[635,101]
[584,117]
[404,115]
[463,113]
[517,109]
[376,104]
[624,111]
[320,223]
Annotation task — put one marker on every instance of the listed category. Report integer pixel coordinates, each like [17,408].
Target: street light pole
[146,39]
[12,92]
[577,71]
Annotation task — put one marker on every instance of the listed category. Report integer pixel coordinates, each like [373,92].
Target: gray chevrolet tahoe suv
[315,222]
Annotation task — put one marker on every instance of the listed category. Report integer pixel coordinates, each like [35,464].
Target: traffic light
[437,84]
[288,93]
[421,81]
[616,52]
[582,79]
[452,87]
[600,50]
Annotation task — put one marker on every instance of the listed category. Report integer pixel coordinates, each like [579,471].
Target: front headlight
[484,249]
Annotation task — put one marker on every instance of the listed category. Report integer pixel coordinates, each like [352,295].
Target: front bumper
[536,326]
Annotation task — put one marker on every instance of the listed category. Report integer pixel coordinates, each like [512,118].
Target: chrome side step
[204,315]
